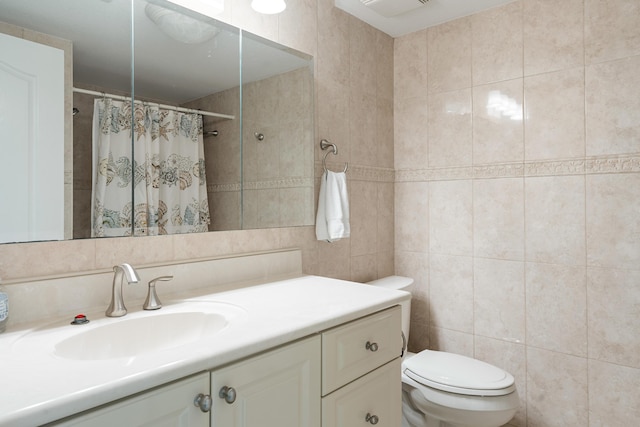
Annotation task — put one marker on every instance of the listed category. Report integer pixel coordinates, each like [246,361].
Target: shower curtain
[166,179]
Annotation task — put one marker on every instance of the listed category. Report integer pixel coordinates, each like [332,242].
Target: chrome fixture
[324,144]
[116,307]
[153,302]
[165,106]
[228,394]
[259,136]
[80,319]
[371,419]
[203,401]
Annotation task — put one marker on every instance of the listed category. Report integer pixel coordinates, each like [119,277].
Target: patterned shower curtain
[166,179]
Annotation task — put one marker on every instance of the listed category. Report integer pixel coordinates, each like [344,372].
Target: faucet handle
[153,302]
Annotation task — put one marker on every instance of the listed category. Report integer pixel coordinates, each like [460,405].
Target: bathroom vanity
[304,351]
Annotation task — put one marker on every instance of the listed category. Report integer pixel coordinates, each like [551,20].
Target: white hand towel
[322,233]
[332,219]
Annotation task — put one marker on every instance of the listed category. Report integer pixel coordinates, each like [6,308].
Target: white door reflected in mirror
[32,141]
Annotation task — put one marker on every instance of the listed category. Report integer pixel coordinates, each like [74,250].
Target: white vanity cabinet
[167,406]
[343,377]
[280,388]
[361,381]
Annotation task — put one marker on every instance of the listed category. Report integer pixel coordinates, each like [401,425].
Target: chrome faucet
[117,308]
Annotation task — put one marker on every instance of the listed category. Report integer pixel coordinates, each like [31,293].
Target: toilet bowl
[457,390]
[445,389]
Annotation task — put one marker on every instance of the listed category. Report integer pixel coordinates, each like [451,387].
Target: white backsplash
[68,295]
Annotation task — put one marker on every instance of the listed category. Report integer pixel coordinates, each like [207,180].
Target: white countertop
[38,387]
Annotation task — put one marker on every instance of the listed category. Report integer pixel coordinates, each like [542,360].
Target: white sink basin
[134,334]
[131,337]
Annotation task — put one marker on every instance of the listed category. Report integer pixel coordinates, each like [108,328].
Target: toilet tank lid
[393,282]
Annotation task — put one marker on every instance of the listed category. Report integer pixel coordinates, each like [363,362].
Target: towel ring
[324,144]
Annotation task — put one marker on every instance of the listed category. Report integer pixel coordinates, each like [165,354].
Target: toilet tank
[400,283]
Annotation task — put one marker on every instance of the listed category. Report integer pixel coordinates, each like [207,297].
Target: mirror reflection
[186,156]
[277,118]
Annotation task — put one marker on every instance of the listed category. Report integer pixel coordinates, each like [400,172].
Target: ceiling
[101,31]
[432,13]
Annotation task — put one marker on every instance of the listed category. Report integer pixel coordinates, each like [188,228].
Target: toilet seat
[458,374]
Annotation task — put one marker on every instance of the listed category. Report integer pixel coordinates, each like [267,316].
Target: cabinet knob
[203,401]
[371,346]
[371,419]
[228,394]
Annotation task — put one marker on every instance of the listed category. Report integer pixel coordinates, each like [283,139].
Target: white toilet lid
[458,374]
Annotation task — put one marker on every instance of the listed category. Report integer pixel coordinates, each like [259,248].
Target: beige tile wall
[517,156]
[277,175]
[222,155]
[521,231]
[354,106]
[278,178]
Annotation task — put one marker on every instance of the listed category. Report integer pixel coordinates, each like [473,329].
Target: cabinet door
[373,399]
[280,388]
[168,406]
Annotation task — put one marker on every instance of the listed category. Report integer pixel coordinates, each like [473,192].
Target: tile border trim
[579,166]
[359,172]
[273,184]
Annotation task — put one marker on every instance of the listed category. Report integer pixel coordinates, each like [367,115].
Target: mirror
[258,143]
[277,147]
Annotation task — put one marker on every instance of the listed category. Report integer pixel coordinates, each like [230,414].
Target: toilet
[444,389]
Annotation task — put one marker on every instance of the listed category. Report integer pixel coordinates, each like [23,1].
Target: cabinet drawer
[350,351]
[376,395]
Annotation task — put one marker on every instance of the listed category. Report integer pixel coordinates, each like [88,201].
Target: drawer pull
[371,346]
[228,394]
[203,401]
[371,419]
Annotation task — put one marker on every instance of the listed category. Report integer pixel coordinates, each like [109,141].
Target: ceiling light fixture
[268,7]
[180,27]
[205,7]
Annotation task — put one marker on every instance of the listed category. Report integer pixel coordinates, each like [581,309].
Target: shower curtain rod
[167,107]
